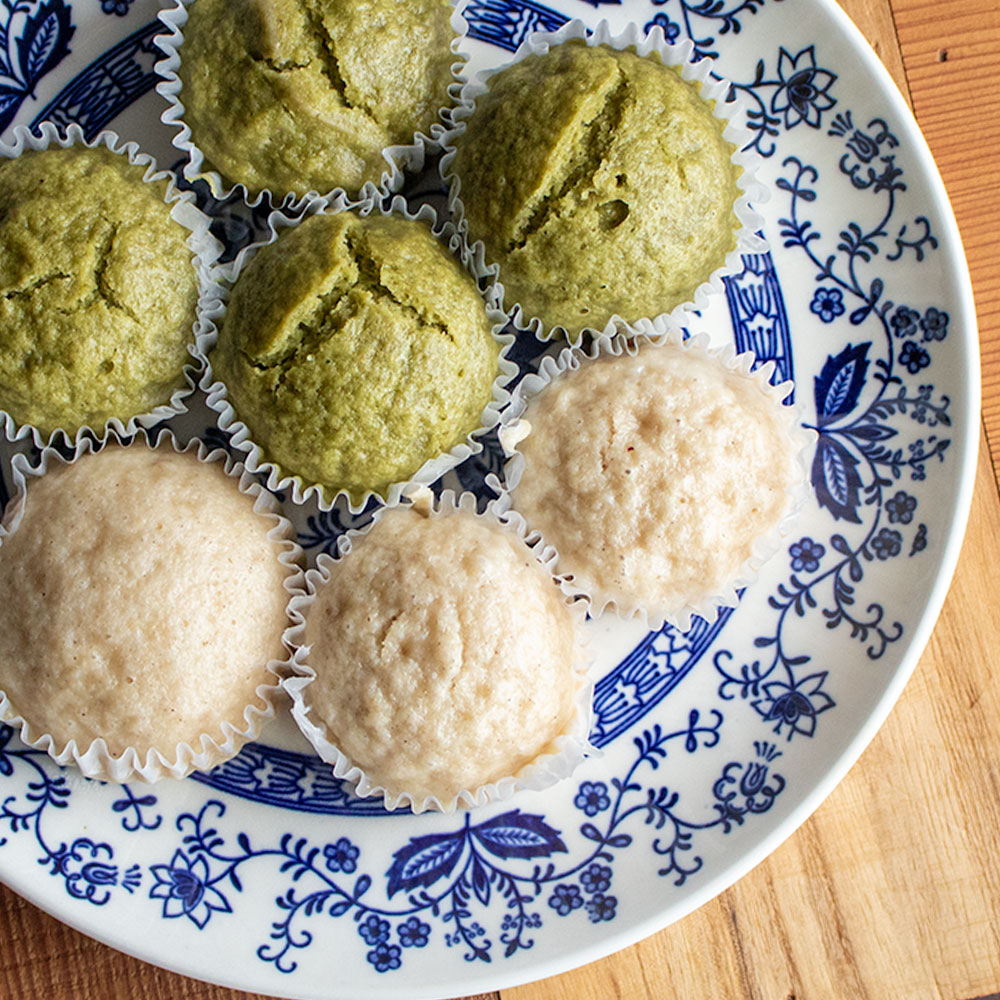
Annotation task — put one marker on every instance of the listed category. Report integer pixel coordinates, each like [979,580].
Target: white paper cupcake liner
[711,87]
[205,251]
[301,490]
[542,772]
[800,445]
[410,156]
[95,760]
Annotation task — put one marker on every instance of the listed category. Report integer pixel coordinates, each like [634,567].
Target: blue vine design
[860,395]
[721,16]
[466,877]
[85,866]
[506,23]
[796,92]
[131,806]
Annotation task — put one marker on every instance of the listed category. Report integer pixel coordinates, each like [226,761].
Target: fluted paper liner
[546,769]
[410,156]
[799,443]
[712,88]
[285,480]
[205,251]
[95,760]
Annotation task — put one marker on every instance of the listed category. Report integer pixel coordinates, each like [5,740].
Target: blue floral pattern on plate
[710,738]
[34,39]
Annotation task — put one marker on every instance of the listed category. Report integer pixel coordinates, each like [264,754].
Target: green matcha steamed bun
[355,350]
[98,293]
[600,182]
[300,95]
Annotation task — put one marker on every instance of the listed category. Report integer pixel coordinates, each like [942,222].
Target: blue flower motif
[565,898]
[904,322]
[596,878]
[342,856]
[862,146]
[384,957]
[887,543]
[374,930]
[753,779]
[414,933]
[670,28]
[795,705]
[806,555]
[791,707]
[601,907]
[802,95]
[913,357]
[87,876]
[184,887]
[934,324]
[747,788]
[828,304]
[900,508]
[592,797]
[119,7]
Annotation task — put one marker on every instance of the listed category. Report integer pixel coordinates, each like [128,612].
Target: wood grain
[42,959]
[950,50]
[891,890]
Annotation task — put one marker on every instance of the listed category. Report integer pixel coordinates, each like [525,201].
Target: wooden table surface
[892,888]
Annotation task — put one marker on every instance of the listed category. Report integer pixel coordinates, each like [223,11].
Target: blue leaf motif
[45,40]
[839,384]
[518,835]
[10,101]
[875,290]
[872,432]
[835,479]
[424,860]
[860,315]
[481,882]
[122,804]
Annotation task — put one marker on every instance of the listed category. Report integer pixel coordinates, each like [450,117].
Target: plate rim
[966,454]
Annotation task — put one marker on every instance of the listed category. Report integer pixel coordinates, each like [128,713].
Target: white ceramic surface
[267,875]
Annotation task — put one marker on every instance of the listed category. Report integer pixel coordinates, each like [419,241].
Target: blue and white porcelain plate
[267,874]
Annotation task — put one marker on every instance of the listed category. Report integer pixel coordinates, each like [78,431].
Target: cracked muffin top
[98,294]
[300,95]
[601,184]
[355,350]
